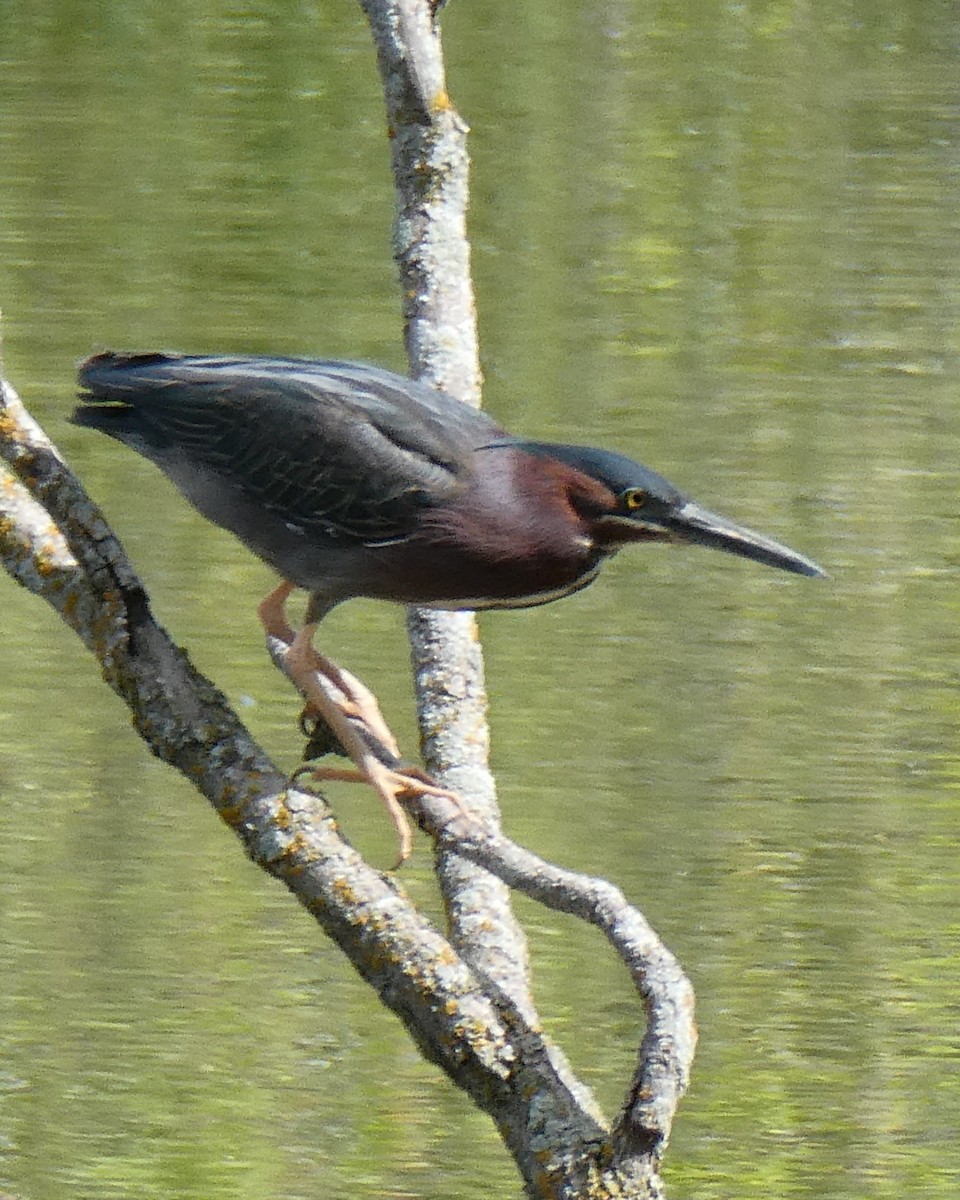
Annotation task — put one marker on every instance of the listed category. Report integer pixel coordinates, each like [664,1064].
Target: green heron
[353,481]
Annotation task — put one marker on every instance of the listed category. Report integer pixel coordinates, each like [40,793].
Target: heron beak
[691,523]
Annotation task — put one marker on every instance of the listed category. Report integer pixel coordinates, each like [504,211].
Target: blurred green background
[722,238]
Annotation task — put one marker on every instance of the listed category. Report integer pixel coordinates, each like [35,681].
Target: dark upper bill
[691,523]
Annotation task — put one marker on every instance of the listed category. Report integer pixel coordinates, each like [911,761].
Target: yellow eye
[634,498]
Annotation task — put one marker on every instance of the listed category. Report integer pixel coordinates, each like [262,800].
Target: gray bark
[465,997]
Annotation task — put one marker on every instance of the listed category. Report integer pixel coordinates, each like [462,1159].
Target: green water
[722,238]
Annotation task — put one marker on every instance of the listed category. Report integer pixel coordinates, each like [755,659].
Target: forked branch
[465,999]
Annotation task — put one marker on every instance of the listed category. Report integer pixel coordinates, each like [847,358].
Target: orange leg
[352,712]
[273,614]
[358,701]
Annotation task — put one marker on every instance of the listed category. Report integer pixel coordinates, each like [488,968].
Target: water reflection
[719,240]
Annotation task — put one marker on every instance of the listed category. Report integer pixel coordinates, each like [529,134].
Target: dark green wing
[339,447]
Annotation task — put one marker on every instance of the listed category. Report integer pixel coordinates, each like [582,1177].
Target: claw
[352,714]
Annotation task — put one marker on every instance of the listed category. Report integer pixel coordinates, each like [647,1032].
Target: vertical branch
[430,169]
[472,1013]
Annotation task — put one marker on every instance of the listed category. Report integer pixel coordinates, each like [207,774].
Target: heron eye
[634,498]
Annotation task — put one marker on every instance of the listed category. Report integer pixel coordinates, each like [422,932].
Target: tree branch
[466,1001]
[185,721]
[431,174]
[464,1023]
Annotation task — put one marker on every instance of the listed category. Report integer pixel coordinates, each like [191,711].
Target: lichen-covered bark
[69,557]
[55,542]
[466,999]
[431,173]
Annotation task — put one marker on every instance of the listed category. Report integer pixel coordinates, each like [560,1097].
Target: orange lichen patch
[442,102]
[371,921]
[51,555]
[344,892]
[301,848]
[232,814]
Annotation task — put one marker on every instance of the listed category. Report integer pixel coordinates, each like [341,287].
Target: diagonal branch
[483,1043]
[666,1053]
[466,1001]
[62,550]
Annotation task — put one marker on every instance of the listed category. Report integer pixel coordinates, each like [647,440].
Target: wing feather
[331,447]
